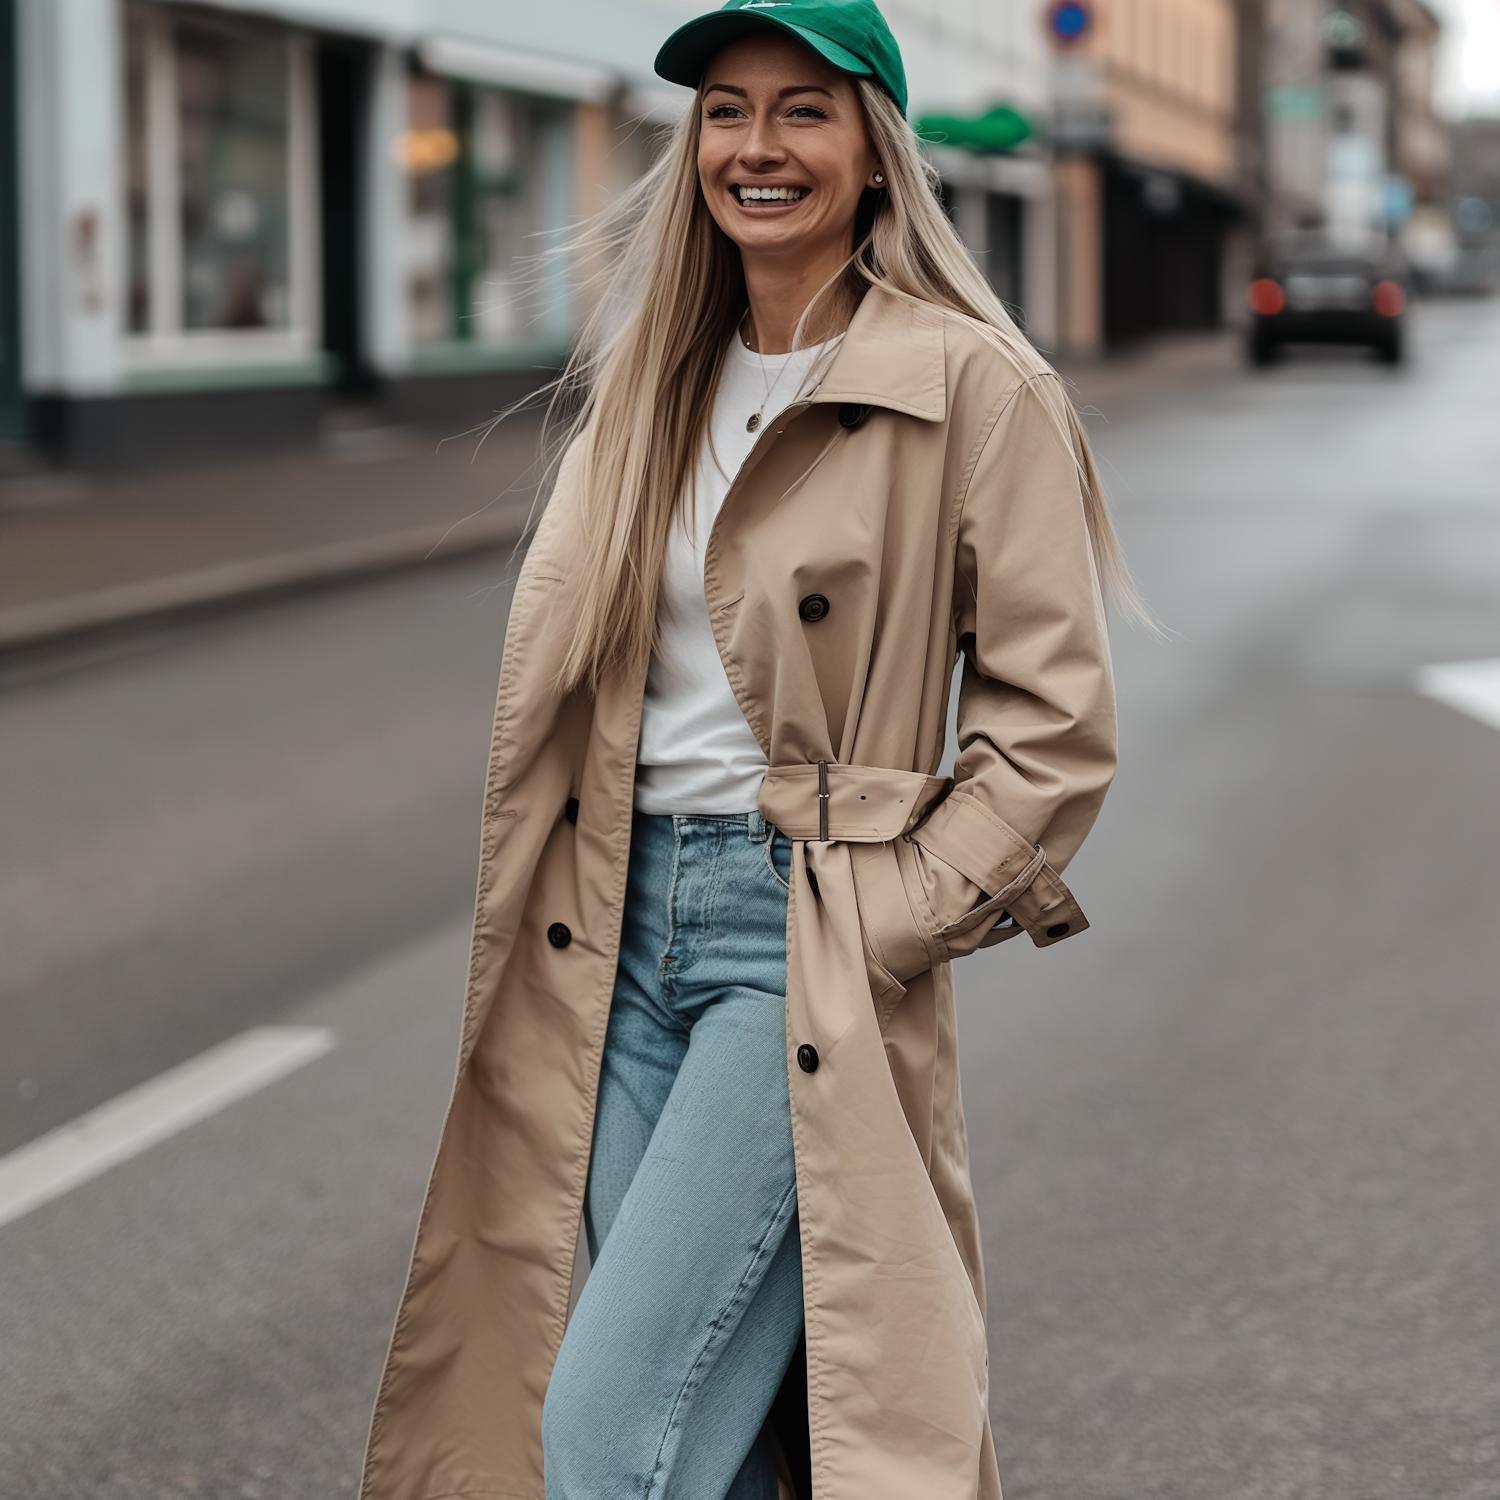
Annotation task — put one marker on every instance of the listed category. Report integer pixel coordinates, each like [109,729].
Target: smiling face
[783,154]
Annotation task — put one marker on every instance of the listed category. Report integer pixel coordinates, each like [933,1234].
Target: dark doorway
[343,99]
[13,423]
[1163,253]
[1002,239]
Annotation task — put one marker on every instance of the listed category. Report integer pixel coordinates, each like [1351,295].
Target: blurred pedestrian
[710,1008]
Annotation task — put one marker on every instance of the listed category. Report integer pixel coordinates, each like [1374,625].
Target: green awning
[998,129]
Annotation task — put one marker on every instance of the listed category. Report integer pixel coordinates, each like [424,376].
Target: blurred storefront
[225,216]
[225,212]
[1146,165]
[998,192]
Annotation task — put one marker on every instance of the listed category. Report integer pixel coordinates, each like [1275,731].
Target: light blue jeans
[694,1305]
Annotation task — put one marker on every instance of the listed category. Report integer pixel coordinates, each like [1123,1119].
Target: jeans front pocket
[779,859]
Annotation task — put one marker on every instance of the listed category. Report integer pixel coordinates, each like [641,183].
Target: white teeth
[774,194]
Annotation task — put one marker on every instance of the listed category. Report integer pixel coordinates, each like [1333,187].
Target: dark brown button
[807,1058]
[814,608]
[1058,929]
[851,416]
[570,809]
[559,935]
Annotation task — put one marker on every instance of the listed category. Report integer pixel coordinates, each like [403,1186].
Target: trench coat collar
[892,357]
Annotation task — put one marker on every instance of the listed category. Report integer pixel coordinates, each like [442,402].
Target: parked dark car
[1314,292]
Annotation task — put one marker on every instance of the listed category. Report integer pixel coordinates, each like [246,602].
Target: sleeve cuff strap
[964,833]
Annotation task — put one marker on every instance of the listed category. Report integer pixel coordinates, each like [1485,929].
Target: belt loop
[758,828]
[823,801]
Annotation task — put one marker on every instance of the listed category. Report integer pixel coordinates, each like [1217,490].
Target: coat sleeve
[1036,718]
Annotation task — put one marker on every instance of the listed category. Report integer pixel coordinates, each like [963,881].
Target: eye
[805,112]
[724,112]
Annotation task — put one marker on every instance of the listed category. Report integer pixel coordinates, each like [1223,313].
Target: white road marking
[1470,687]
[59,1161]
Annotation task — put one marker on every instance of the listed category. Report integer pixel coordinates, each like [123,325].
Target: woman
[710,1009]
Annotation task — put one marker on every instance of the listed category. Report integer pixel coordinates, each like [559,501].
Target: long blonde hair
[641,380]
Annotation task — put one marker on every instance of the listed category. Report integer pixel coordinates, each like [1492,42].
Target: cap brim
[690,49]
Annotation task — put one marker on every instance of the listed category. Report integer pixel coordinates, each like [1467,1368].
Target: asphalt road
[1236,1149]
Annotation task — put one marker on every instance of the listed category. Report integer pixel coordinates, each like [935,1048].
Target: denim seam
[789,1198]
[665,969]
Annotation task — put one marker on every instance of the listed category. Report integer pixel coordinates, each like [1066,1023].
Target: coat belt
[849,804]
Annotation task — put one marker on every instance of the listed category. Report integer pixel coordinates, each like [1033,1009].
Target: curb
[52,619]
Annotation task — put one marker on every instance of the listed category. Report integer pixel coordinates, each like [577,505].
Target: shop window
[429,152]
[490,184]
[220,241]
[232,108]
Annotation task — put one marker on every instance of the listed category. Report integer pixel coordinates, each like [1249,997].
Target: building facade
[1474,204]
[225,212]
[1147,166]
[1353,146]
[224,215]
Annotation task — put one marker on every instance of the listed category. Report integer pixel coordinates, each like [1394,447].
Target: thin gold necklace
[753,424]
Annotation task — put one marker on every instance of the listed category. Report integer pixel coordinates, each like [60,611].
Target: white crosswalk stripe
[1469,687]
[59,1161]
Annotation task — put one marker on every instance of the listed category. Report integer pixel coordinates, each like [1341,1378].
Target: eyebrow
[796,88]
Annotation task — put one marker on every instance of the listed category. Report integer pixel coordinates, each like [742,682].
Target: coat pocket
[898,937]
[980,927]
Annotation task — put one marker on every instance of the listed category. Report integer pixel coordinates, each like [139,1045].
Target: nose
[761,147]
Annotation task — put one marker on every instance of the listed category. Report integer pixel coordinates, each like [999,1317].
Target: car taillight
[1265,297]
[1388,299]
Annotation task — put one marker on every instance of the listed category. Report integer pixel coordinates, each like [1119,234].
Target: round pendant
[753,423]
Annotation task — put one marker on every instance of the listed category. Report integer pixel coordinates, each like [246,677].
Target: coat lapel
[892,357]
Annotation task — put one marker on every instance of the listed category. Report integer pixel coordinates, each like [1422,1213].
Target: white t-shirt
[697,754]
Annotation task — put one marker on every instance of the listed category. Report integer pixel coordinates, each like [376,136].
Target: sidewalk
[1172,364]
[78,553]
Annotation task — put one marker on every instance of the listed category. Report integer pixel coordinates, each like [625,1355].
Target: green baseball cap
[851,34]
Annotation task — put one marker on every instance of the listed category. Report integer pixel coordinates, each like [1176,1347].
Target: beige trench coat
[925,492]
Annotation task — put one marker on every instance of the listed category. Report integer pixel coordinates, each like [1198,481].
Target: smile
[771,194]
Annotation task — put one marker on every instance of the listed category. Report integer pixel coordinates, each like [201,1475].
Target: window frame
[166,344]
[553,316]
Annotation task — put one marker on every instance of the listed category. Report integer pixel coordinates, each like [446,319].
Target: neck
[779,292]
